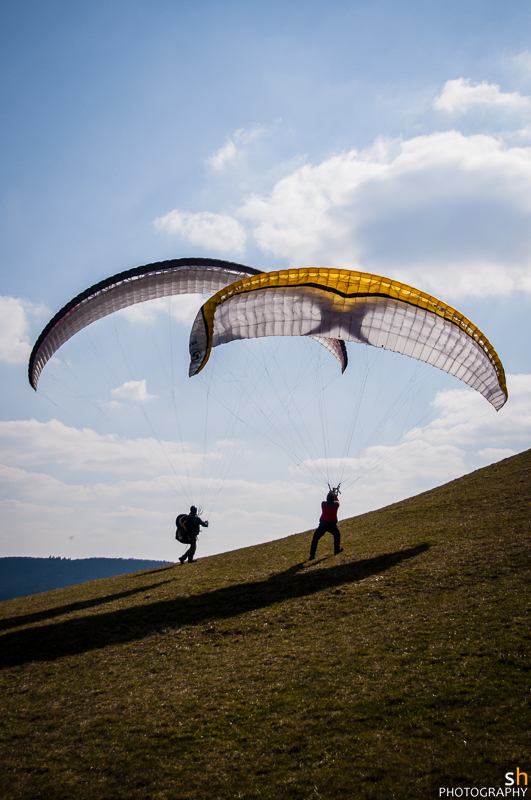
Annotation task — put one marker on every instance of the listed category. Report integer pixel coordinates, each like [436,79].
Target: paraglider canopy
[331,306]
[340,305]
[162,279]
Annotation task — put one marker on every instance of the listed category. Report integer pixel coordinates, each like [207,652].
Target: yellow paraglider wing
[353,306]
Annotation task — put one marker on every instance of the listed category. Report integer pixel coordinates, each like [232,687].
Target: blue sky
[389,137]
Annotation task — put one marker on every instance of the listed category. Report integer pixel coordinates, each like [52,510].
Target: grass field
[394,669]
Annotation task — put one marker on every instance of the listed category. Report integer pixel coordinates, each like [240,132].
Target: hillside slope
[394,669]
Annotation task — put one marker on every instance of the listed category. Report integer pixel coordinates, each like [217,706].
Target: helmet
[193,510]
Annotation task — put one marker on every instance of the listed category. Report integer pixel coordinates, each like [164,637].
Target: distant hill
[21,576]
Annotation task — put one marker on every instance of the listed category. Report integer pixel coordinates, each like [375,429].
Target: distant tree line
[23,575]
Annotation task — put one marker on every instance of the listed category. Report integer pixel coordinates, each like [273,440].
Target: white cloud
[465,434]
[233,149]
[15,314]
[447,212]
[465,420]
[461,95]
[130,511]
[128,515]
[297,220]
[42,515]
[493,454]
[218,233]
[133,391]
[30,443]
[518,65]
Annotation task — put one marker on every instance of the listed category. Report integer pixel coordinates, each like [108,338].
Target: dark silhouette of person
[327,524]
[191,524]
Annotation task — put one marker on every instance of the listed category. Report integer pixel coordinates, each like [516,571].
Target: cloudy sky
[389,137]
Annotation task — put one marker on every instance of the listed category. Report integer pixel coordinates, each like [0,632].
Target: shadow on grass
[58,611]
[74,636]
[155,571]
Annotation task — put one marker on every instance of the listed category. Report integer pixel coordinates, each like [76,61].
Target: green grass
[399,666]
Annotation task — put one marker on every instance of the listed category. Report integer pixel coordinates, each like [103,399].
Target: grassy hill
[396,668]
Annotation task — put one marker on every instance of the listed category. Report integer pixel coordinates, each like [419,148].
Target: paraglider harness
[181,534]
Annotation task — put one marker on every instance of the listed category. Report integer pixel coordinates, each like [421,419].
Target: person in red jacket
[328,524]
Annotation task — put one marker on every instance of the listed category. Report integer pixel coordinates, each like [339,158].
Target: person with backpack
[188,526]
[328,523]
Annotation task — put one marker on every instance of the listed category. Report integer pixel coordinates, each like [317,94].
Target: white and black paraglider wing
[353,306]
[162,279]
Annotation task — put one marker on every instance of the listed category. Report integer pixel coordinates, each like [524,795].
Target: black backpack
[181,533]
